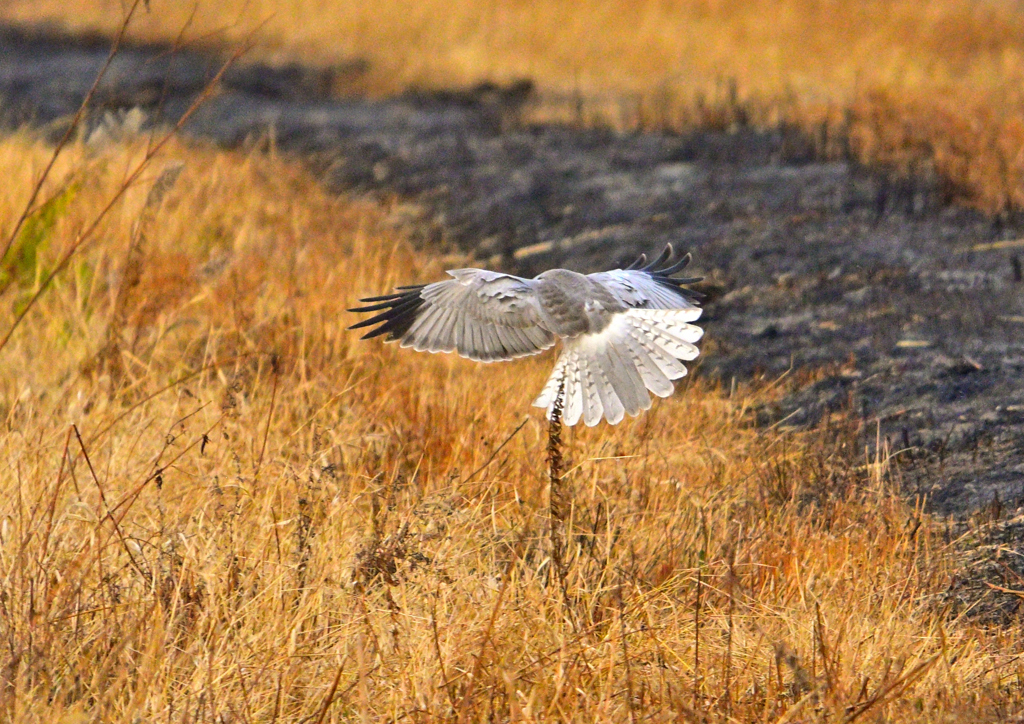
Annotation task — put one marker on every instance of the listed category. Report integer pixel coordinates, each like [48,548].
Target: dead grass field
[928,88]
[220,506]
[217,505]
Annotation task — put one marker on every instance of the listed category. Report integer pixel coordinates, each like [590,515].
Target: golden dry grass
[925,88]
[265,519]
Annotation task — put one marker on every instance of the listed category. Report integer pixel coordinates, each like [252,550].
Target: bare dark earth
[909,307]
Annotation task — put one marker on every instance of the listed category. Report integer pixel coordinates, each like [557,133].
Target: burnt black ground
[915,325]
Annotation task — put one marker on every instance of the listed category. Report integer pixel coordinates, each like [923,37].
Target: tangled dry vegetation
[218,505]
[929,89]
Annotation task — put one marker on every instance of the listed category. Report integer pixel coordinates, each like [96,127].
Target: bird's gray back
[572,304]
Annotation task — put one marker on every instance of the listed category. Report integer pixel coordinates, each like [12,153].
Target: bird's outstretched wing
[648,287]
[483,315]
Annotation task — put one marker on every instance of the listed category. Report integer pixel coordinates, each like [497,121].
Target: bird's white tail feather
[608,374]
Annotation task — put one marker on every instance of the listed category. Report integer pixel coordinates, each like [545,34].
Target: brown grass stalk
[109,357]
[152,151]
[73,127]
[556,492]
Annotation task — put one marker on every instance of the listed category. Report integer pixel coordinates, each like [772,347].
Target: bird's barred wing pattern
[608,374]
[650,287]
[483,315]
[607,370]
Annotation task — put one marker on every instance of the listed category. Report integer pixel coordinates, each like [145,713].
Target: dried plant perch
[624,331]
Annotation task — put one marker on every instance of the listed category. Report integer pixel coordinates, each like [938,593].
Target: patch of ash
[988,577]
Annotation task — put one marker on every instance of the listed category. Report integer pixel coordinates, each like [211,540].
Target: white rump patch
[610,373]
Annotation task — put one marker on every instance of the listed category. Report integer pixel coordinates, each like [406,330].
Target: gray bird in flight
[623,332]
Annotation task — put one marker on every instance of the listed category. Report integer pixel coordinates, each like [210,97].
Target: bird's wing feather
[650,287]
[482,315]
[609,373]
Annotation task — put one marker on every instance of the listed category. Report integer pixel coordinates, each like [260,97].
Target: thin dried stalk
[556,500]
[76,122]
[109,357]
[558,503]
[88,233]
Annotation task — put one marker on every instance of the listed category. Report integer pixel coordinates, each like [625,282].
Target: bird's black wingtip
[397,314]
[666,254]
[678,266]
[640,261]
[663,275]
[657,266]
[662,258]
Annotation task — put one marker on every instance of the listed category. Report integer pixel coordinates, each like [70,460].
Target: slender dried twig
[107,512]
[275,366]
[109,356]
[630,705]
[440,659]
[329,699]
[497,450]
[484,641]
[895,689]
[556,504]
[696,641]
[85,236]
[76,122]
